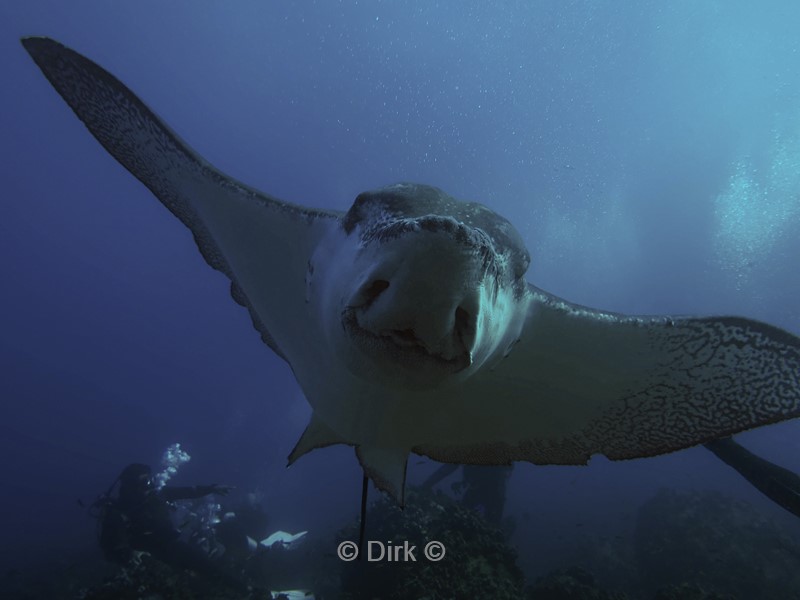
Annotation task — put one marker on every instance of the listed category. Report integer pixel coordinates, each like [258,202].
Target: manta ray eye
[371,291]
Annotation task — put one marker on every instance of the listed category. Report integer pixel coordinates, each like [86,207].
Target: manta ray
[410,327]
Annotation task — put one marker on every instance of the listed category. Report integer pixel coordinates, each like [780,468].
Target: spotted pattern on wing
[714,377]
[726,374]
[135,136]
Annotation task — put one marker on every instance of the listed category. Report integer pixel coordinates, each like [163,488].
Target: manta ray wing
[581,382]
[260,243]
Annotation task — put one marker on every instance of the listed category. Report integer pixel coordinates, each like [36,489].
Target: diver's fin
[283,538]
[293,594]
[780,485]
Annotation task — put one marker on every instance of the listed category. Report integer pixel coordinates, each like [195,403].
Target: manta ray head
[424,286]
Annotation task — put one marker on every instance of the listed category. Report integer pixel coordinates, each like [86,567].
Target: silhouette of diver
[139,518]
[485,487]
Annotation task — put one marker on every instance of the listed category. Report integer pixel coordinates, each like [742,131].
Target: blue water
[648,152]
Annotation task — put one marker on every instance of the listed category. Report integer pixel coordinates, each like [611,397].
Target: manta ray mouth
[401,347]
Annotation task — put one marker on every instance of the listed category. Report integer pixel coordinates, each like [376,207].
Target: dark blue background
[648,152]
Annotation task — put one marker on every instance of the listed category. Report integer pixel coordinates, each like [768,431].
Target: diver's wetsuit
[443,472]
[778,484]
[150,528]
[140,519]
[484,487]
[485,490]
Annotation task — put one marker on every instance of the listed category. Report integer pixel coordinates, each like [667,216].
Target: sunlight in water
[606,235]
[757,210]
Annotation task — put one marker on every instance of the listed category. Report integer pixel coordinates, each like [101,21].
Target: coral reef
[686,546]
[147,578]
[478,562]
[569,584]
[688,591]
[724,546]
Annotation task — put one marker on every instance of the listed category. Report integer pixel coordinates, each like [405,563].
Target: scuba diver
[483,488]
[139,519]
